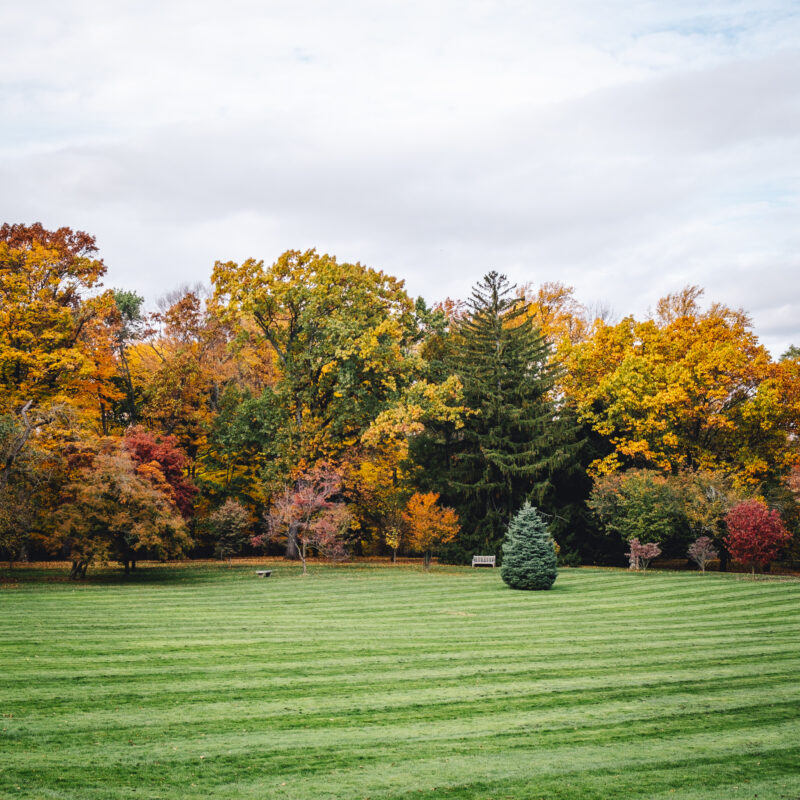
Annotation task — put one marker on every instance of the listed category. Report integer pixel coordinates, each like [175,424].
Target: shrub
[641,554]
[702,551]
[529,554]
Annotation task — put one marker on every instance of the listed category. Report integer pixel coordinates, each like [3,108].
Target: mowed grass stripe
[387,682]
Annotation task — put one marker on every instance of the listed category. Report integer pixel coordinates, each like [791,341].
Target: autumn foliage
[126,423]
[113,510]
[755,533]
[154,453]
[640,554]
[429,525]
[309,516]
[701,551]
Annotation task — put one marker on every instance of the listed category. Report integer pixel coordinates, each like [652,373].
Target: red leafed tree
[163,453]
[309,516]
[756,534]
[642,553]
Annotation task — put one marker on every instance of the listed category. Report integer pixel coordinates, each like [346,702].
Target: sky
[627,149]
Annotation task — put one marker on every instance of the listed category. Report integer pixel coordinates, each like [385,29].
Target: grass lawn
[367,681]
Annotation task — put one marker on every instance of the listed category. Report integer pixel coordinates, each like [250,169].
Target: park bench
[483,561]
[263,573]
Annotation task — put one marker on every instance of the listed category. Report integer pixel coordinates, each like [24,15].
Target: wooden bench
[263,573]
[483,561]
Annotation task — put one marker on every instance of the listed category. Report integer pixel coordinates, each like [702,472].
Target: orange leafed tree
[428,524]
[114,510]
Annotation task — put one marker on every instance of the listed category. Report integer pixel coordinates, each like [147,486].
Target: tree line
[312,406]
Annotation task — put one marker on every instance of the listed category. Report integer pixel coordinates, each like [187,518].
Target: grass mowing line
[503,696]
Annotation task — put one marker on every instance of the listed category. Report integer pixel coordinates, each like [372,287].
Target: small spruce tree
[529,553]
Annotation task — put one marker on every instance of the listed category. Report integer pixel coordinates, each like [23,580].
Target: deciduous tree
[114,510]
[687,388]
[641,554]
[701,551]
[45,313]
[146,448]
[429,525]
[229,526]
[642,505]
[341,336]
[756,534]
[309,514]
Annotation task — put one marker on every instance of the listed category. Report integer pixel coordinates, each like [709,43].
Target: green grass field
[374,682]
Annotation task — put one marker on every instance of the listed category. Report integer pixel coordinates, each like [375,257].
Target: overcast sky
[625,148]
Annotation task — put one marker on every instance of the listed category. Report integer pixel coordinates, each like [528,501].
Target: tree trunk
[292,551]
[427,560]
[723,560]
[18,445]
[78,570]
[303,557]
[394,555]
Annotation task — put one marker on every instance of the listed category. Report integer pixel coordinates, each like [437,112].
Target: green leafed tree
[341,336]
[230,527]
[644,505]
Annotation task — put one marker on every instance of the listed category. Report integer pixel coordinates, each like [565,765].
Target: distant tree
[394,538]
[514,438]
[55,344]
[429,526]
[529,553]
[688,388]
[229,526]
[701,551]
[340,334]
[641,505]
[146,447]
[129,327]
[792,352]
[45,316]
[641,554]
[310,516]
[113,510]
[20,478]
[755,534]
[706,497]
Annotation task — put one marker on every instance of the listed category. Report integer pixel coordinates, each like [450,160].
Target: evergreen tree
[529,554]
[515,439]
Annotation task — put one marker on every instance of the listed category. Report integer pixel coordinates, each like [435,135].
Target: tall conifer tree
[515,440]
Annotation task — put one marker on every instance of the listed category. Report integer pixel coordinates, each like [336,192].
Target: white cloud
[627,149]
